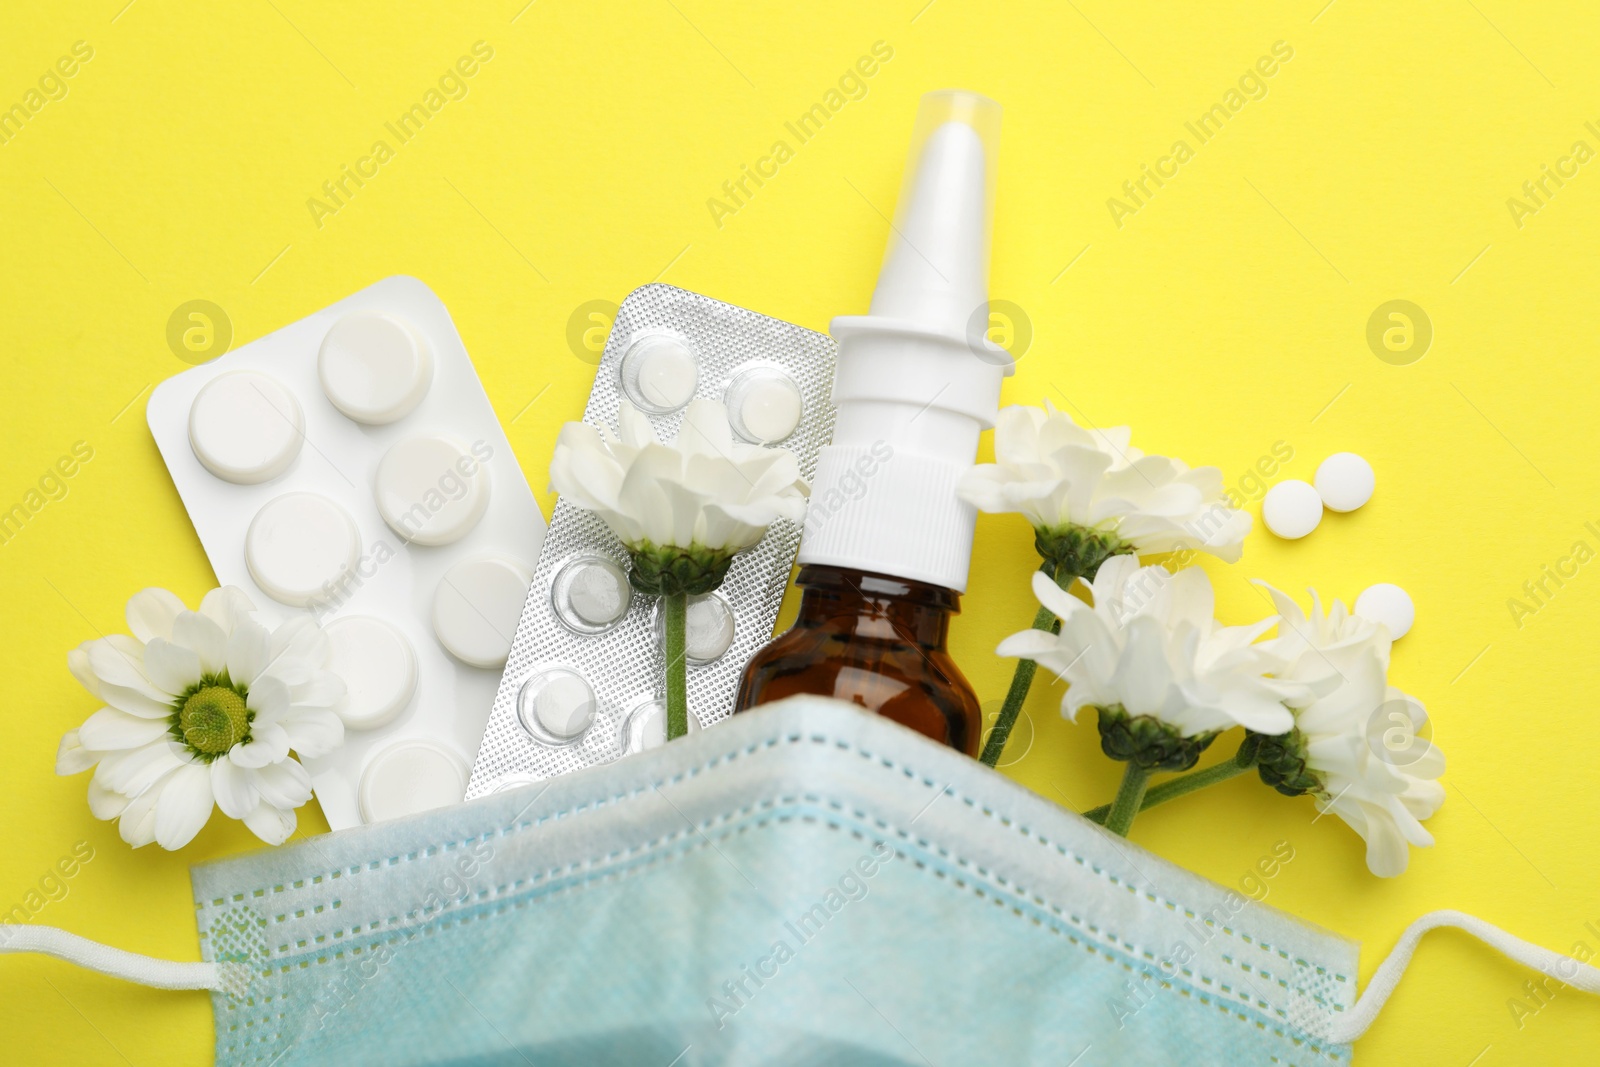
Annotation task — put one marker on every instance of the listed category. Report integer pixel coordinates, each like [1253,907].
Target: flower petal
[172,667]
[269,699]
[268,743]
[249,652]
[234,787]
[151,612]
[110,730]
[72,757]
[136,770]
[226,606]
[106,803]
[270,824]
[137,823]
[185,805]
[284,785]
[195,631]
[78,664]
[313,732]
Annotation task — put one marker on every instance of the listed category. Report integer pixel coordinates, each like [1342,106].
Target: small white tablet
[1345,481]
[301,548]
[476,608]
[1292,509]
[1389,604]
[409,777]
[378,666]
[374,367]
[431,490]
[245,427]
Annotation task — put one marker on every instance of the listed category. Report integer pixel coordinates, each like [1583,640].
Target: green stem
[1177,787]
[1021,682]
[1130,795]
[676,607]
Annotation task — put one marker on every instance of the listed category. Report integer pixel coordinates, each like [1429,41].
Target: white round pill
[556,706]
[378,667]
[1292,509]
[590,594]
[763,405]
[659,372]
[646,726]
[476,608]
[1388,604]
[301,548]
[431,490]
[374,368]
[409,777]
[245,427]
[707,630]
[1345,481]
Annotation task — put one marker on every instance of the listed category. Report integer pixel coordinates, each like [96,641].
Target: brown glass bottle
[875,641]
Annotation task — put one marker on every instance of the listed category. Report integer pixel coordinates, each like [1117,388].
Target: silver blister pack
[615,646]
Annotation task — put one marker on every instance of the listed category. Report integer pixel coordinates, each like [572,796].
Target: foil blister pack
[584,681]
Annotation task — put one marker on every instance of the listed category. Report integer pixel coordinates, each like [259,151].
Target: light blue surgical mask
[806,884]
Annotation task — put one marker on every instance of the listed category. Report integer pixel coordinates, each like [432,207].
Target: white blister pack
[584,683]
[350,465]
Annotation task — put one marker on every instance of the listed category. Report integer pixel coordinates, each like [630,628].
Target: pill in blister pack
[351,466]
[584,681]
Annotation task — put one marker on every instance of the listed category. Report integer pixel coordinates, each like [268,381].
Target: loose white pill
[659,372]
[410,777]
[646,726]
[707,631]
[375,368]
[1389,604]
[431,490]
[378,666]
[556,706]
[763,405]
[1292,509]
[1345,481]
[245,427]
[301,548]
[476,608]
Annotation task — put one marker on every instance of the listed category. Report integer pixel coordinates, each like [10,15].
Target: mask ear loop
[1350,1025]
[129,966]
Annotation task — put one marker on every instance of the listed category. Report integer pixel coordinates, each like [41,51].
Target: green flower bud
[1077,550]
[1148,742]
[661,570]
[1281,762]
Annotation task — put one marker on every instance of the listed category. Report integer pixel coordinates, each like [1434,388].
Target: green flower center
[211,717]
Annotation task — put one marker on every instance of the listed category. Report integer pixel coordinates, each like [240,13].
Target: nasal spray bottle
[886,546]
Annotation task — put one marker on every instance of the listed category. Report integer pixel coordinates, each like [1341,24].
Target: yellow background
[1227,315]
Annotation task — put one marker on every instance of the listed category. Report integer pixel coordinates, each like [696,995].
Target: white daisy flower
[1151,658]
[1076,485]
[1354,745]
[202,709]
[702,498]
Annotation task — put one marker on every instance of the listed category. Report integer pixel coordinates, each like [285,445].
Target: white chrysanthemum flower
[1150,656]
[202,708]
[704,489]
[1065,479]
[1354,745]
[684,509]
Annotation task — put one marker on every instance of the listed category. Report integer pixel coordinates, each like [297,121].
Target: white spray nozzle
[936,267]
[917,377]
